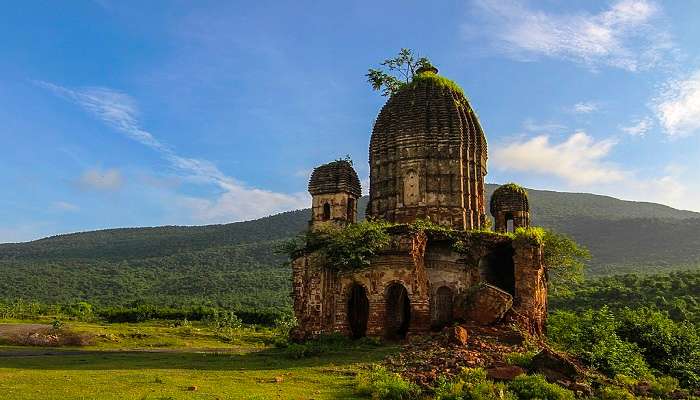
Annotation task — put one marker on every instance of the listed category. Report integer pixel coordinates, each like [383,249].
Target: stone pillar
[530,286]
[377,316]
[420,315]
[308,296]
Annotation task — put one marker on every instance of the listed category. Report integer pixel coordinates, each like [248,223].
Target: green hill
[235,265]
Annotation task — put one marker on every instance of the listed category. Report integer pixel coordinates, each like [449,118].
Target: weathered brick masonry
[427,160]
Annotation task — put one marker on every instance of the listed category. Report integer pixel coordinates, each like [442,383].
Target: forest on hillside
[237,266]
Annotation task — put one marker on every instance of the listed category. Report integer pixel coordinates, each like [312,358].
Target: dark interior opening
[442,308]
[498,269]
[398,311]
[326,212]
[358,311]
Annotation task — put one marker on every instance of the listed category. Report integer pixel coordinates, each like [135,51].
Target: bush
[592,336]
[615,393]
[302,350]
[284,324]
[333,342]
[378,383]
[520,359]
[527,387]
[663,386]
[471,384]
[670,347]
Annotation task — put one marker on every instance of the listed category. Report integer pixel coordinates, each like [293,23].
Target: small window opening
[510,223]
[326,212]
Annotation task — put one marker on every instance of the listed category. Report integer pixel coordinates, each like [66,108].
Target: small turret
[509,203]
[334,189]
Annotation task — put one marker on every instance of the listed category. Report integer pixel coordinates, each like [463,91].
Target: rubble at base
[423,359]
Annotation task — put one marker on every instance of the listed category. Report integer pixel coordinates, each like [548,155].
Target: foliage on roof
[429,77]
[512,188]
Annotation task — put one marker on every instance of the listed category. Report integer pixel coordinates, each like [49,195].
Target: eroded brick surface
[428,158]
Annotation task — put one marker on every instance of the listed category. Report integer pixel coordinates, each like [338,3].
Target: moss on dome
[431,77]
[513,188]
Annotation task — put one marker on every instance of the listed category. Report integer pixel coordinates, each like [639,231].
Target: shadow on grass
[268,359]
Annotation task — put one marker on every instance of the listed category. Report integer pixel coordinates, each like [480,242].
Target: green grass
[168,360]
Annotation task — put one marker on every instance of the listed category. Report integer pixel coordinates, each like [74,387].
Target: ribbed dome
[509,198]
[428,156]
[335,177]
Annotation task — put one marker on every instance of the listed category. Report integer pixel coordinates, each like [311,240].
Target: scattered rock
[424,361]
[581,389]
[504,373]
[642,388]
[554,366]
[681,394]
[486,304]
[513,338]
[456,335]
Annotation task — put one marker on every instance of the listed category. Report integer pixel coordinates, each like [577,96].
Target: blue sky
[126,113]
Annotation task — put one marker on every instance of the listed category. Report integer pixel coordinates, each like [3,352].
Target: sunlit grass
[157,361]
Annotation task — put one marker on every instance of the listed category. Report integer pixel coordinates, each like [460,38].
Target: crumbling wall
[530,287]
[322,293]
[402,264]
[313,286]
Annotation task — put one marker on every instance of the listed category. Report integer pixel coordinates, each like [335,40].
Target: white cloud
[64,206]
[585,107]
[236,201]
[623,36]
[97,179]
[578,160]
[582,164]
[534,126]
[678,106]
[638,128]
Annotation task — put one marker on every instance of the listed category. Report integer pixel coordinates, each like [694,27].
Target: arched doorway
[442,307]
[358,311]
[398,311]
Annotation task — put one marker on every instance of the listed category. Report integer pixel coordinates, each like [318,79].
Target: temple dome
[428,156]
[509,198]
[335,177]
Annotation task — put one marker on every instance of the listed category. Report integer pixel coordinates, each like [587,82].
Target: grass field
[157,361]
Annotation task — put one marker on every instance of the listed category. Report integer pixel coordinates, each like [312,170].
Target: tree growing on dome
[396,72]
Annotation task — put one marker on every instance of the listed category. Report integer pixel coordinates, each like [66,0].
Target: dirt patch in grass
[42,336]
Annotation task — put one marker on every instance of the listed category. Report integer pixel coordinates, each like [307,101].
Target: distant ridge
[237,264]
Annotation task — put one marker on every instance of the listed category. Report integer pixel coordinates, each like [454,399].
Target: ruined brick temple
[427,158]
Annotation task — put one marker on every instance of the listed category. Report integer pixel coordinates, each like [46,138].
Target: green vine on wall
[352,247]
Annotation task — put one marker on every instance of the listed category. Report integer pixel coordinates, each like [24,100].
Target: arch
[442,307]
[358,310]
[351,210]
[509,222]
[326,211]
[398,311]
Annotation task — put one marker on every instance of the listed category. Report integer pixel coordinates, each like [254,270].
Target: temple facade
[428,159]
